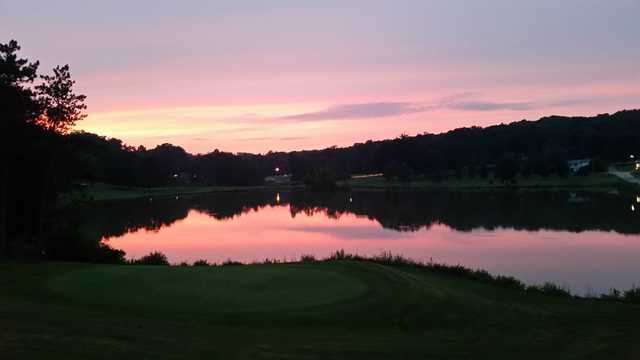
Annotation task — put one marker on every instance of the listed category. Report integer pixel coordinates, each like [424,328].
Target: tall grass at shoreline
[389,259]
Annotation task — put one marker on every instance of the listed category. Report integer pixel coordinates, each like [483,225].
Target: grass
[107,192]
[602,181]
[340,308]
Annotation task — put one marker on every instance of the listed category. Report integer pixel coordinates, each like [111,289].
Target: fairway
[320,310]
[207,289]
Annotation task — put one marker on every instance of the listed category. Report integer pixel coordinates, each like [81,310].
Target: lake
[588,242]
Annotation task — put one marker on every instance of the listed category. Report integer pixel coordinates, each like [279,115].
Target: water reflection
[584,240]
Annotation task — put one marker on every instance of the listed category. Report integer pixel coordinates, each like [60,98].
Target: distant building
[278,179]
[576,165]
[184,178]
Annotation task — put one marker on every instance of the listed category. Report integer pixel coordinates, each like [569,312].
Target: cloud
[291,138]
[471,102]
[462,102]
[479,105]
[287,138]
[360,111]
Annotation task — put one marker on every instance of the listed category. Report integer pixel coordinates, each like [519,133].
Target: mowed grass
[597,181]
[321,310]
[107,192]
[217,289]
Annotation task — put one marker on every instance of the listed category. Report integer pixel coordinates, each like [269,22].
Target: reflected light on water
[595,260]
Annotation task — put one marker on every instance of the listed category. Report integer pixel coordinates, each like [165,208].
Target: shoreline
[604,182]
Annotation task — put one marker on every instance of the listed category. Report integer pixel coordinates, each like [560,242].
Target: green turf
[328,310]
[108,192]
[599,181]
[215,289]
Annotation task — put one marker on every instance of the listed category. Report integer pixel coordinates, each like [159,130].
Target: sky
[255,76]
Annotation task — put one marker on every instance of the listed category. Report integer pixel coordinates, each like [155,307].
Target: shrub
[230,262]
[633,295]
[154,258]
[342,255]
[614,294]
[201,262]
[307,258]
[550,288]
[320,180]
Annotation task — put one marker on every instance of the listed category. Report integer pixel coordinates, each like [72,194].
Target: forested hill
[541,147]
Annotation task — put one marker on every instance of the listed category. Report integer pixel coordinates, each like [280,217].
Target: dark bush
[549,289]
[632,296]
[154,258]
[230,262]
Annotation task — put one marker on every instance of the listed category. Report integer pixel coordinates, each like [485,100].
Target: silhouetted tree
[17,109]
[507,168]
[62,108]
[321,180]
[405,173]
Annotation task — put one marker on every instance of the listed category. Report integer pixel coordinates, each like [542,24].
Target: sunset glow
[191,75]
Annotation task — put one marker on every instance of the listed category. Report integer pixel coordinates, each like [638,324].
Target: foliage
[507,168]
[387,258]
[15,71]
[201,262]
[632,295]
[399,171]
[230,262]
[321,180]
[307,258]
[550,289]
[62,107]
[154,258]
[527,148]
[31,126]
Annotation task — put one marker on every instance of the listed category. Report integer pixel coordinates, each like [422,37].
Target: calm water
[585,241]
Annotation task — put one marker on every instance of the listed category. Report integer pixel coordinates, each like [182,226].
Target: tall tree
[62,108]
[17,108]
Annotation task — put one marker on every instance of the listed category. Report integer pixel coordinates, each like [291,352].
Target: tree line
[525,148]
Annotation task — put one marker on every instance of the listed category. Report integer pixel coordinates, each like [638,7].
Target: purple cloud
[360,111]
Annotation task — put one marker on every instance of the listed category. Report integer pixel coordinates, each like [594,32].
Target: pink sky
[250,76]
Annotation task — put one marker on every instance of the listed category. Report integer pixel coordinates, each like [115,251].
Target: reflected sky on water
[588,242]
